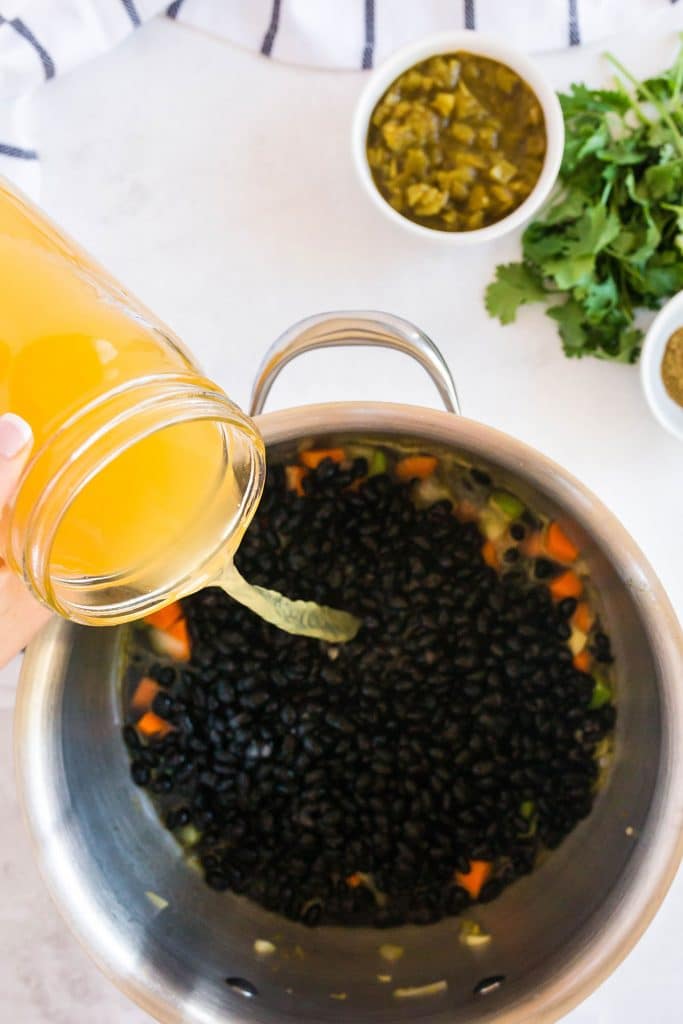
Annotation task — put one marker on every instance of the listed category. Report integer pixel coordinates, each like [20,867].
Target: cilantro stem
[641,88]
[678,81]
[632,101]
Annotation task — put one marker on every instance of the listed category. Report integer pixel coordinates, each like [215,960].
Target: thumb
[16,440]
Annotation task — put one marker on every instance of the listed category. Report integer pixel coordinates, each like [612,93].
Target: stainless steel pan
[556,934]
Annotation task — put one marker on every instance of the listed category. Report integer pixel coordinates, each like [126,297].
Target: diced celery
[602,692]
[391,953]
[189,835]
[527,809]
[377,463]
[430,490]
[472,934]
[492,524]
[157,901]
[507,504]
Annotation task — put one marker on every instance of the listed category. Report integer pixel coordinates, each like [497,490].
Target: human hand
[21,616]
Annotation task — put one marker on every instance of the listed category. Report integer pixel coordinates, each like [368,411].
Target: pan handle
[367,328]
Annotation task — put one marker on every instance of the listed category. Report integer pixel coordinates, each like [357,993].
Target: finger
[16,440]
[21,616]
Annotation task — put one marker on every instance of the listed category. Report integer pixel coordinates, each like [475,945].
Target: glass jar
[143,475]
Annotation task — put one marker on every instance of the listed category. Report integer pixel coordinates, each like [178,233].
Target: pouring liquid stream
[303,618]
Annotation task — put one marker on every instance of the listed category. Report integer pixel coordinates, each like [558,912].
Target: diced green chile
[456,142]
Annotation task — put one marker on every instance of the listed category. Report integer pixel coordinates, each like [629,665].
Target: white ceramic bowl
[668,412]
[471,42]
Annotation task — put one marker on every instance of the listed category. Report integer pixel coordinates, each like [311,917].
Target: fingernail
[15,434]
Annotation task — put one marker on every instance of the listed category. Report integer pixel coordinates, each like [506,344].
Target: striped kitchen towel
[42,38]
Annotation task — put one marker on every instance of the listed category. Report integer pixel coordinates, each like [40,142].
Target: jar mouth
[88,444]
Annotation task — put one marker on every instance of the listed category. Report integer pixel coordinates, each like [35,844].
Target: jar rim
[85,444]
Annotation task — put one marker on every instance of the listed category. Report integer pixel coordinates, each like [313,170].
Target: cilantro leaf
[664,180]
[515,284]
[569,317]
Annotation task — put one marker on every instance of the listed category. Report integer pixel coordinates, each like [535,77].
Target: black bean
[339,722]
[544,569]
[131,738]
[139,773]
[163,704]
[456,900]
[217,880]
[311,916]
[567,607]
[255,699]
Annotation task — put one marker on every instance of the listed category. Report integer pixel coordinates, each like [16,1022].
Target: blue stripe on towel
[173,9]
[369,47]
[470,20]
[18,152]
[132,12]
[574,30]
[21,29]
[271,32]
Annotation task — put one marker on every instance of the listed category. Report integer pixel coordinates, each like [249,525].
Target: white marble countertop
[219,187]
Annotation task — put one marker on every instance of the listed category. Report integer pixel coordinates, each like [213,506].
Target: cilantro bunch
[611,240]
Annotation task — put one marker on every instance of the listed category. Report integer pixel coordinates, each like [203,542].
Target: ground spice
[672,366]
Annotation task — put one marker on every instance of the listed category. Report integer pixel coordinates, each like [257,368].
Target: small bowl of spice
[661,366]
[458,138]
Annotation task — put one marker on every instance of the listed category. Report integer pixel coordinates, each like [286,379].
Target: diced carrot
[165,617]
[145,692]
[312,458]
[466,511]
[354,880]
[583,660]
[559,545]
[476,878]
[356,485]
[416,467]
[533,545]
[151,725]
[566,585]
[583,617]
[489,554]
[295,479]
